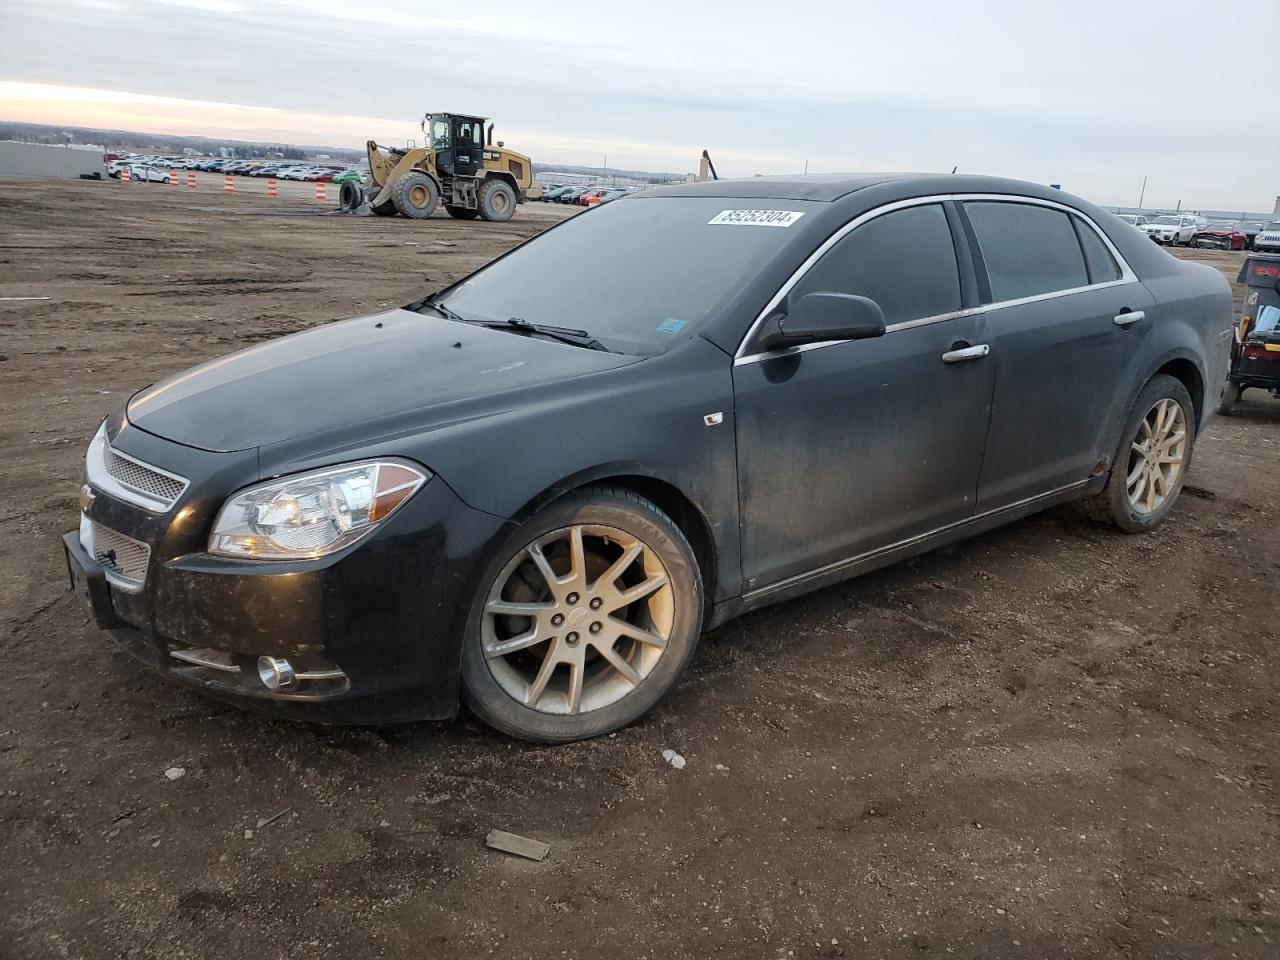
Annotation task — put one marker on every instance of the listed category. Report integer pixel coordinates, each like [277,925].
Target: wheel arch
[662,491]
[505,176]
[1187,372]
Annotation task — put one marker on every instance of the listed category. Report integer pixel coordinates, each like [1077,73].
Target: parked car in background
[348,176]
[610,195]
[1251,229]
[1221,235]
[1173,229]
[1268,238]
[1133,219]
[573,195]
[148,173]
[554,193]
[970,350]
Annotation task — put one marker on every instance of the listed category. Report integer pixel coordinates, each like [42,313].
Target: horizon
[1024,93]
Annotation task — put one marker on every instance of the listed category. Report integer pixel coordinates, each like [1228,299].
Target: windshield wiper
[431,303]
[578,338]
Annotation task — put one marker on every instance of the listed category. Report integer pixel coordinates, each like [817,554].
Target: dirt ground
[1051,741]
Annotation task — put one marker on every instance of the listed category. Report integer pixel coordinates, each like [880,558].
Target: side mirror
[821,317]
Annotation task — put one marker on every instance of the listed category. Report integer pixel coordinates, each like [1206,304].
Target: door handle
[966,353]
[1128,317]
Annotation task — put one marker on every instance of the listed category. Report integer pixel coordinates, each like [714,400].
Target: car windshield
[1251,225]
[1273,226]
[1129,217]
[1168,221]
[638,275]
[1221,225]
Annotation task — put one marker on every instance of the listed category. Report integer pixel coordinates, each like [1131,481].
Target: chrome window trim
[1126,272]
[96,473]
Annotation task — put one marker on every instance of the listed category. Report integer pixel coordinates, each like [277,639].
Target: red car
[1222,235]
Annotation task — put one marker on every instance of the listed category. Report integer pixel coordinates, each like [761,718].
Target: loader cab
[458,142]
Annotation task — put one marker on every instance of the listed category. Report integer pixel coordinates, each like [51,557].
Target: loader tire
[385,209]
[497,201]
[462,213]
[415,195]
[350,197]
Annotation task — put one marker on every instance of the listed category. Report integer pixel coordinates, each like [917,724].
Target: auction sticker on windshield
[757,218]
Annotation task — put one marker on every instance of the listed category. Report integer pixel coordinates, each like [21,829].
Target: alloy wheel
[577,619]
[1156,456]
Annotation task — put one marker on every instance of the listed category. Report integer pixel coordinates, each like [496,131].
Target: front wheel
[1155,452]
[415,195]
[584,620]
[1229,398]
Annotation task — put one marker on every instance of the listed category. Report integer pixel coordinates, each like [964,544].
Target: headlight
[313,514]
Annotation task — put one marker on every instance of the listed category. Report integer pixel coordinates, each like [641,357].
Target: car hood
[386,365]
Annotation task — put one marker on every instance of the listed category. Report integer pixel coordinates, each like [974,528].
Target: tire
[497,201]
[461,213]
[1228,399]
[1114,502]
[415,195]
[386,209]
[503,689]
[350,196]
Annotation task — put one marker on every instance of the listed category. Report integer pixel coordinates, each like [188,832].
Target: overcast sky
[1089,94]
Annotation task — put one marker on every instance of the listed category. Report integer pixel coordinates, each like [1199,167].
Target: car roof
[834,186]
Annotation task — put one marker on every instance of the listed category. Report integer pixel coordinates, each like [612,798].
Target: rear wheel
[497,201]
[415,195]
[1155,452]
[584,620]
[461,213]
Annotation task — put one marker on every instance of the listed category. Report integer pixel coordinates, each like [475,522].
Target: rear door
[847,447]
[1067,321]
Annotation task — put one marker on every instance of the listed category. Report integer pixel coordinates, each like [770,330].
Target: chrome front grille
[124,559]
[144,479]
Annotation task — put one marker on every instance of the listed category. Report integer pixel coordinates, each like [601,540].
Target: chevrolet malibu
[532,495]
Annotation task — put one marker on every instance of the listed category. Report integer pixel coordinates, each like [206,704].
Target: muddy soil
[1051,741]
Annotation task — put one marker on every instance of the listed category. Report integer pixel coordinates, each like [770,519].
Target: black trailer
[1255,350]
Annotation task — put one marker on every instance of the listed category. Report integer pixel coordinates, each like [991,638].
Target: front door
[468,146]
[848,447]
[1066,327]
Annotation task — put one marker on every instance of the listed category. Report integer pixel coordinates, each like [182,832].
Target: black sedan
[532,495]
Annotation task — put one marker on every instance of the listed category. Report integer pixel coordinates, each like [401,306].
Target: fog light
[275,674]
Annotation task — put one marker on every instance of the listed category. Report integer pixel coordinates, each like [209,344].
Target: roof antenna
[955,168]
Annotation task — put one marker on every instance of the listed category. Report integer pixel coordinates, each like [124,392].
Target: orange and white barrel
[320,198]
[124,174]
[228,184]
[272,189]
[173,178]
[191,179]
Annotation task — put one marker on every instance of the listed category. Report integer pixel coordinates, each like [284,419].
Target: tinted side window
[1102,265]
[1028,249]
[902,260]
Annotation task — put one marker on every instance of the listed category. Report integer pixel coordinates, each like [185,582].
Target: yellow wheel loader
[458,165]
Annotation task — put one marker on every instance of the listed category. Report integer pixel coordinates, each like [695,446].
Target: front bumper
[374,631]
